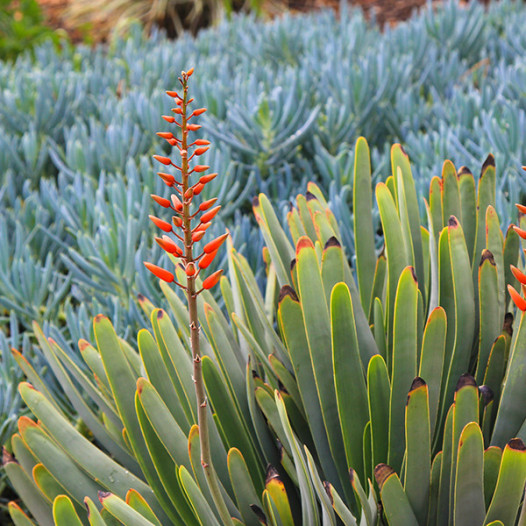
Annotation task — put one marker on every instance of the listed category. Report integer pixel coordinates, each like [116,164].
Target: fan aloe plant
[386,394]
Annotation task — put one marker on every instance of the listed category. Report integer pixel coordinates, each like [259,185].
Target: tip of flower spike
[190,72]
[212,280]
[519,301]
[159,272]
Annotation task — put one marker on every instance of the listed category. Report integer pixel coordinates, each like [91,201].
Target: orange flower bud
[189,72]
[520,231]
[201,142]
[200,151]
[202,226]
[205,205]
[208,216]
[169,179]
[193,127]
[520,276]
[212,280]
[163,225]
[178,111]
[183,153]
[189,193]
[161,201]
[161,273]
[163,160]
[190,100]
[177,221]
[517,298]
[214,244]
[169,118]
[198,188]
[165,135]
[172,94]
[169,245]
[190,269]
[199,111]
[172,142]
[201,168]
[177,203]
[179,102]
[522,208]
[197,236]
[207,259]
[207,178]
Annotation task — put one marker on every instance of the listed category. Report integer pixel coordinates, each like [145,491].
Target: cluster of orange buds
[182,232]
[520,276]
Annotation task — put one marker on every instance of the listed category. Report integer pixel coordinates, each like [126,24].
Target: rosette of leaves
[389,393]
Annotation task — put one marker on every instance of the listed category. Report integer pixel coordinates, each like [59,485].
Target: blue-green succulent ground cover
[286,101]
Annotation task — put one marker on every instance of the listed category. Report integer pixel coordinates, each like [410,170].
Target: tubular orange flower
[198,188]
[520,276]
[164,160]
[199,111]
[201,142]
[177,203]
[200,151]
[205,205]
[169,118]
[170,246]
[197,236]
[177,221]
[202,227]
[189,72]
[161,201]
[193,127]
[519,301]
[172,94]
[212,280]
[165,135]
[161,273]
[520,231]
[521,208]
[190,269]
[207,178]
[169,179]
[201,168]
[207,259]
[208,216]
[214,244]
[163,225]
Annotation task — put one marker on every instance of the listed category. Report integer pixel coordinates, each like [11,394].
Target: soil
[384,11]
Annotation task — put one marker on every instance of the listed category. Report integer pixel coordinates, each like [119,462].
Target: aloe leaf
[164,465]
[295,225]
[339,506]
[522,516]
[434,487]
[290,317]
[47,484]
[362,498]
[363,222]
[404,361]
[511,257]
[433,282]
[64,512]
[492,459]
[397,258]
[18,516]
[332,270]
[92,358]
[61,466]
[512,412]
[418,448]
[288,381]
[432,360]
[22,453]
[469,503]
[510,484]
[122,380]
[349,379]
[450,193]
[279,246]
[490,320]
[495,244]
[435,205]
[322,224]
[495,368]
[82,451]
[378,291]
[233,423]
[159,378]
[400,162]
[94,516]
[464,307]
[395,503]
[317,328]
[367,449]
[137,502]
[445,487]
[177,362]
[305,216]
[327,511]
[123,511]
[308,502]
[277,492]
[378,393]
[468,204]
[31,495]
[378,327]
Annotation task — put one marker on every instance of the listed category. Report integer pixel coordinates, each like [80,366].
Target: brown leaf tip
[351,475]
[292,264]
[487,394]
[255,201]
[417,382]
[402,150]
[332,242]
[413,274]
[327,486]
[287,290]
[99,318]
[463,170]
[381,473]
[160,314]
[7,457]
[465,380]
[452,222]
[508,323]
[272,473]
[87,507]
[259,513]
[103,495]
[83,344]
[490,161]
[310,196]
[486,254]
[517,444]
[141,298]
